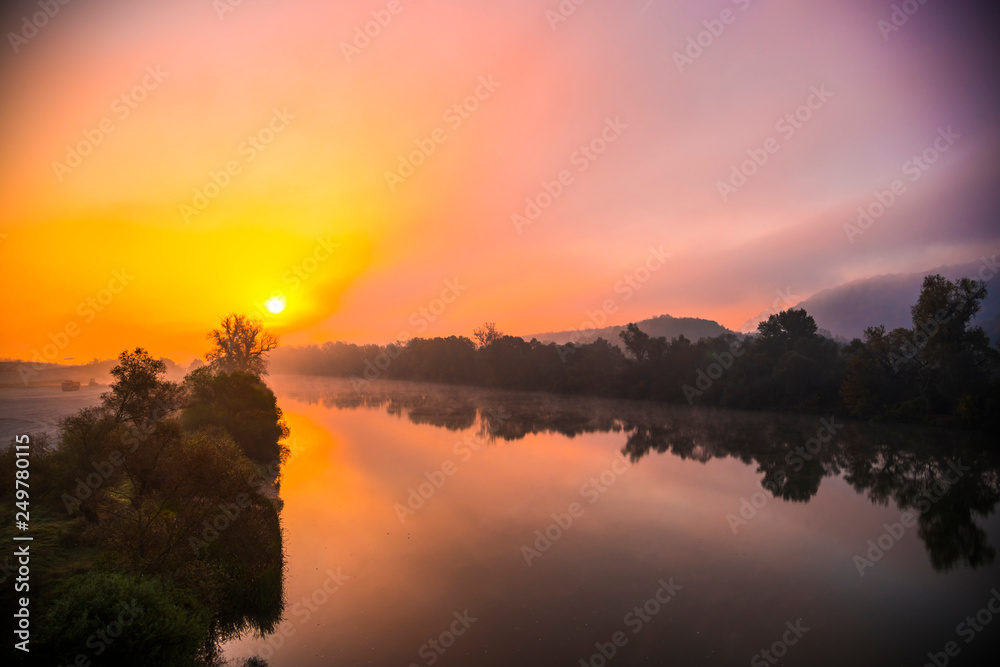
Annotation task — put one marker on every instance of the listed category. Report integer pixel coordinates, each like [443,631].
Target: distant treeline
[941,370]
[39,372]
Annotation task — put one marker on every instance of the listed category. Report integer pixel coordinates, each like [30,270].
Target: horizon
[188,362]
[749,327]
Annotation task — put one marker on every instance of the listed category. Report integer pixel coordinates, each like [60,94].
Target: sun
[275,304]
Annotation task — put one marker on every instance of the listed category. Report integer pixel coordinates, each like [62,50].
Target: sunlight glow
[275,304]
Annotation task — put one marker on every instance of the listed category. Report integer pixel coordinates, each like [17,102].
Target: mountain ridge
[846,310]
[668,326]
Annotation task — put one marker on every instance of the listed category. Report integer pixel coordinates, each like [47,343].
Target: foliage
[138,394]
[636,341]
[240,404]
[175,516]
[487,334]
[782,330]
[941,368]
[240,345]
[122,619]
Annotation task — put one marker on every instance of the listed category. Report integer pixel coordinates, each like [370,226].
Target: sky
[389,169]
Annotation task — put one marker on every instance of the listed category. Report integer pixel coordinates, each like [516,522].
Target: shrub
[124,619]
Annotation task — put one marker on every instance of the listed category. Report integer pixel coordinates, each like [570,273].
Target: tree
[240,404]
[240,345]
[165,625]
[487,334]
[636,341]
[957,362]
[941,366]
[786,327]
[138,394]
[942,315]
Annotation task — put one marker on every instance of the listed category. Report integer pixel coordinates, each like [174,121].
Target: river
[429,525]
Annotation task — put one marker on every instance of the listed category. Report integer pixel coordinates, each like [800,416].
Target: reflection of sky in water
[664,517]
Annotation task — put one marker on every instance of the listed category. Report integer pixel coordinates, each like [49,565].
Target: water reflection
[358,457]
[949,478]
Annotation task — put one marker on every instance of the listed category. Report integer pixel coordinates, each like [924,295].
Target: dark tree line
[942,369]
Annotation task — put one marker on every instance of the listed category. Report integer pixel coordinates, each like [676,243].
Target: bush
[242,405]
[123,619]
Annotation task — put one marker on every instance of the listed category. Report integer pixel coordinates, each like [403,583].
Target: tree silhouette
[786,327]
[941,366]
[138,394]
[487,334]
[240,345]
[636,341]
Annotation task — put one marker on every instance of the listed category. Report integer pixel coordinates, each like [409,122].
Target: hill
[693,328]
[848,309]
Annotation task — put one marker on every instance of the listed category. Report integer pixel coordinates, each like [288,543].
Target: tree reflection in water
[912,467]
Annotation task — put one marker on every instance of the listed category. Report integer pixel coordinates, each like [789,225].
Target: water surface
[38,409]
[649,499]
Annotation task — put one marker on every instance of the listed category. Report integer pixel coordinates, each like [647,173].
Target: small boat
[70,385]
[92,383]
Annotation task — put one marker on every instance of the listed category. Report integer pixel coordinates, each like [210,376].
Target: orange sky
[307,211]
